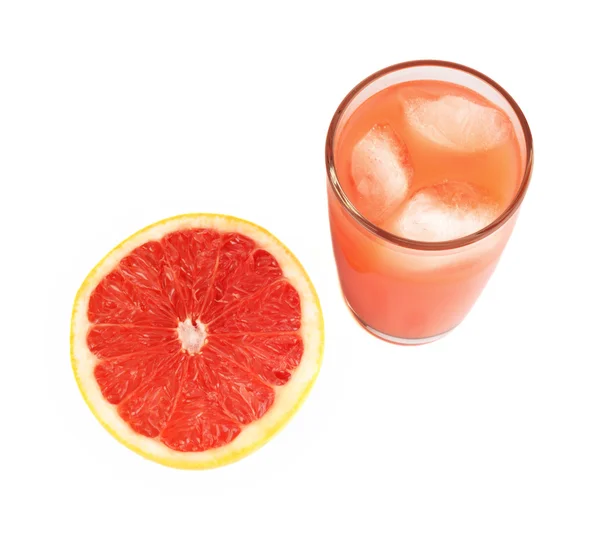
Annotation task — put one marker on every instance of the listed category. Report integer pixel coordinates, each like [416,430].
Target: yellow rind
[268,434]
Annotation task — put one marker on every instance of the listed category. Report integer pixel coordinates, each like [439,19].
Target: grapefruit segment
[274,308]
[115,340]
[118,377]
[273,357]
[148,408]
[242,270]
[116,300]
[147,273]
[191,255]
[238,392]
[196,339]
[198,425]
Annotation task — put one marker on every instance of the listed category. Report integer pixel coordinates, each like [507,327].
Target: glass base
[393,339]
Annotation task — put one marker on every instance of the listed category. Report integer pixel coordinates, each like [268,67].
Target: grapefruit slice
[196,339]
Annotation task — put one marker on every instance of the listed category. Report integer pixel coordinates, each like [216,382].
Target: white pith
[287,397]
[192,336]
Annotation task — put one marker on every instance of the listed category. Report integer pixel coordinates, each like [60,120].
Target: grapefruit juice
[427,165]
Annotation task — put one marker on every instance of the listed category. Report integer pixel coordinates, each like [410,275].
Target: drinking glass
[402,290]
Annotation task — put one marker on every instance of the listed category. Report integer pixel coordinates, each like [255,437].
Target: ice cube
[458,123]
[381,172]
[444,212]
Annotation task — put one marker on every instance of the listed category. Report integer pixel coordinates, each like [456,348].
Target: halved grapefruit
[196,339]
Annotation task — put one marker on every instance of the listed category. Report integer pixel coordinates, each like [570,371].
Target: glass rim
[416,244]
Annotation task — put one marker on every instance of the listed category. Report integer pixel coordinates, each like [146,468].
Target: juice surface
[427,161]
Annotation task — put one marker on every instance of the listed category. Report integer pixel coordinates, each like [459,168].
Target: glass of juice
[427,163]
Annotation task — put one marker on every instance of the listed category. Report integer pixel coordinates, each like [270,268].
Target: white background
[117,114]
